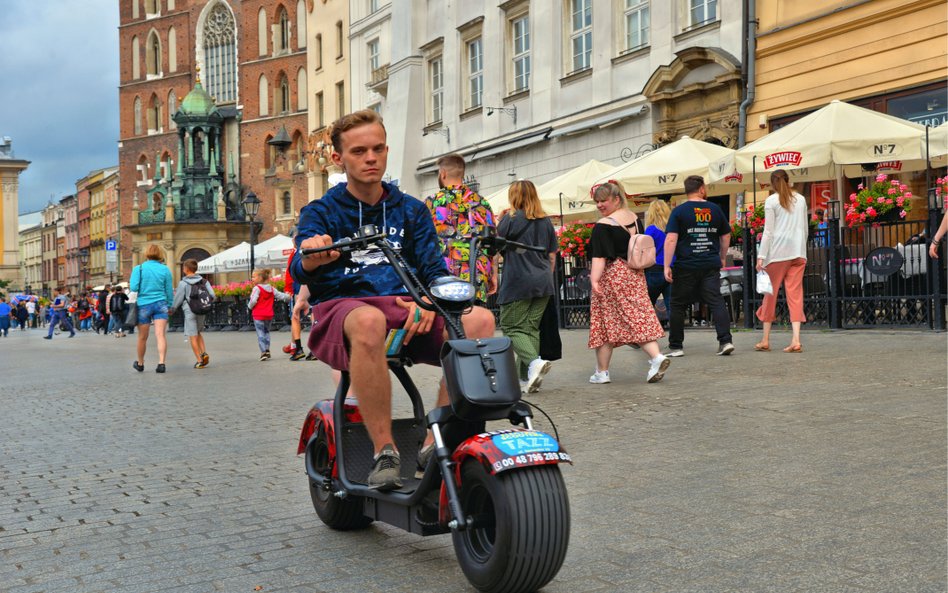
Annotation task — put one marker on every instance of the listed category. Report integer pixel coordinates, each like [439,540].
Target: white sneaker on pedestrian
[657,367]
[535,372]
[675,353]
[725,349]
[600,377]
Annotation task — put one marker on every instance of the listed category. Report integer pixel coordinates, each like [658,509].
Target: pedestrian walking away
[656,219]
[152,282]
[527,282]
[782,254]
[620,311]
[458,212]
[698,235]
[117,309]
[260,304]
[186,295]
[102,306]
[60,314]
[5,312]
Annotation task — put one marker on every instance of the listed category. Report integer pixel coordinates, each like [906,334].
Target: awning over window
[600,121]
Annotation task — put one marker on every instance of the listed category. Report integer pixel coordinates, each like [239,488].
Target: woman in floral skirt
[621,312]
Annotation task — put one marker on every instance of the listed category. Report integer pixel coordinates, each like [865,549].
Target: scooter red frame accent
[321,414]
[482,448]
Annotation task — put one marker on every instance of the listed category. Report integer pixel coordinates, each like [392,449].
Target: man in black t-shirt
[698,233]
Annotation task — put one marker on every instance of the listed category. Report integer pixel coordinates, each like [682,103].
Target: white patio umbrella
[663,171]
[813,147]
[273,253]
[560,193]
[224,261]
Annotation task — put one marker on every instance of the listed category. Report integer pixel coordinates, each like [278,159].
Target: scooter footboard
[503,450]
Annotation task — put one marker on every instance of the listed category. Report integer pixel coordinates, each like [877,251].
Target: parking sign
[111,245]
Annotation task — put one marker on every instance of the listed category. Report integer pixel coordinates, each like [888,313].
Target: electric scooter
[499,493]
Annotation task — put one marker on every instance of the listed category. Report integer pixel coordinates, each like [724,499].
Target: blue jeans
[115,321]
[657,285]
[57,318]
[263,333]
[5,326]
[151,311]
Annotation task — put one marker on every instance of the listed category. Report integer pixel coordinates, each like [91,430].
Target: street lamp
[83,260]
[251,207]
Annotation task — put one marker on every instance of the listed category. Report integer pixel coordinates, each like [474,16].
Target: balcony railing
[151,216]
[379,79]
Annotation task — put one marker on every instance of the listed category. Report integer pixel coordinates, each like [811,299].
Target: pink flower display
[872,205]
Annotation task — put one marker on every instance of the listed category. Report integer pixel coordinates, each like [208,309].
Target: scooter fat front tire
[521,527]
[343,514]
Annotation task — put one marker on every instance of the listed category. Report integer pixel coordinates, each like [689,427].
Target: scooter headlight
[452,288]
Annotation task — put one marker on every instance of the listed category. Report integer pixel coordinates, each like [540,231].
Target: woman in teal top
[153,283]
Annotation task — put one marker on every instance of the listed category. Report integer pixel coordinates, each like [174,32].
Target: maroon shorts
[327,339]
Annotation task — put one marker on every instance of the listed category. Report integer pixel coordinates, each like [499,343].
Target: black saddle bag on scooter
[481,377]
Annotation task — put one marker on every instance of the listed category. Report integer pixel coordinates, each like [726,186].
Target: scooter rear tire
[342,514]
[521,530]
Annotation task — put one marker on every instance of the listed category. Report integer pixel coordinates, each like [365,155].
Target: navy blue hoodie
[367,273]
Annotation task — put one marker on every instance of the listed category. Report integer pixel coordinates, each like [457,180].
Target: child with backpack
[195,296]
[261,306]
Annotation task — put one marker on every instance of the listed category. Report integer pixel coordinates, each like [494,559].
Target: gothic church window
[136,59]
[172,109]
[264,97]
[153,54]
[282,99]
[286,205]
[138,116]
[283,33]
[218,39]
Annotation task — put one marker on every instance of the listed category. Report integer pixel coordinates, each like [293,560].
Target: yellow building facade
[327,61]
[886,55]
[97,273]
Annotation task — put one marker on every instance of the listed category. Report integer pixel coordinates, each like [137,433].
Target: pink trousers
[790,274]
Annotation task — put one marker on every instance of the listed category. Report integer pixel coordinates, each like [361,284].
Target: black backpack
[200,300]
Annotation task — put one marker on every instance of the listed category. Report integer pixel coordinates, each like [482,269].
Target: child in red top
[261,306]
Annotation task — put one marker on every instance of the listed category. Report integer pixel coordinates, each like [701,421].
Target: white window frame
[635,13]
[580,35]
[474,66]
[435,80]
[708,12]
[521,67]
[372,49]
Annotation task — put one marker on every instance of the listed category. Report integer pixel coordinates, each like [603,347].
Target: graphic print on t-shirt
[699,228]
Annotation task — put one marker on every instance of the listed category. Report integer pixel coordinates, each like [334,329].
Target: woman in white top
[782,253]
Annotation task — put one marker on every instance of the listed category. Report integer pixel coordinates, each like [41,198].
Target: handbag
[641,252]
[481,377]
[131,306]
[764,286]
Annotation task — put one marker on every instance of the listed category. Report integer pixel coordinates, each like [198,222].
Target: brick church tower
[249,58]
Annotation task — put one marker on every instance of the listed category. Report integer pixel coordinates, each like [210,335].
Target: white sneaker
[600,377]
[675,353]
[657,367]
[535,372]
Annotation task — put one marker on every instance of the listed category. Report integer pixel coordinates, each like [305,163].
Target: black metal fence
[845,287]
[841,290]
[231,314]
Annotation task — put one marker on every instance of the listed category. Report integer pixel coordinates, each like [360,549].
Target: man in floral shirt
[458,212]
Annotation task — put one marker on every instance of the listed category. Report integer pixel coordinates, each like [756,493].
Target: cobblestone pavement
[757,472]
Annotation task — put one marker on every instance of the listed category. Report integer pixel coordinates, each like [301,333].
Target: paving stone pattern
[757,472]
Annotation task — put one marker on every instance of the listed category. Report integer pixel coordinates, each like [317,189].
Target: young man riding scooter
[357,300]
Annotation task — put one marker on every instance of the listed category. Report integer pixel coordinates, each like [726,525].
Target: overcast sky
[59,78]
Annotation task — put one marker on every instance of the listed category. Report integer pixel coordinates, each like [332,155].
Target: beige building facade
[10,169]
[327,61]
[31,258]
[886,55]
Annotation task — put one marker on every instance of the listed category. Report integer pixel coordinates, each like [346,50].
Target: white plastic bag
[764,286]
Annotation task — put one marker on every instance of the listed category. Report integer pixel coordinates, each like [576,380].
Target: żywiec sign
[782,159]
